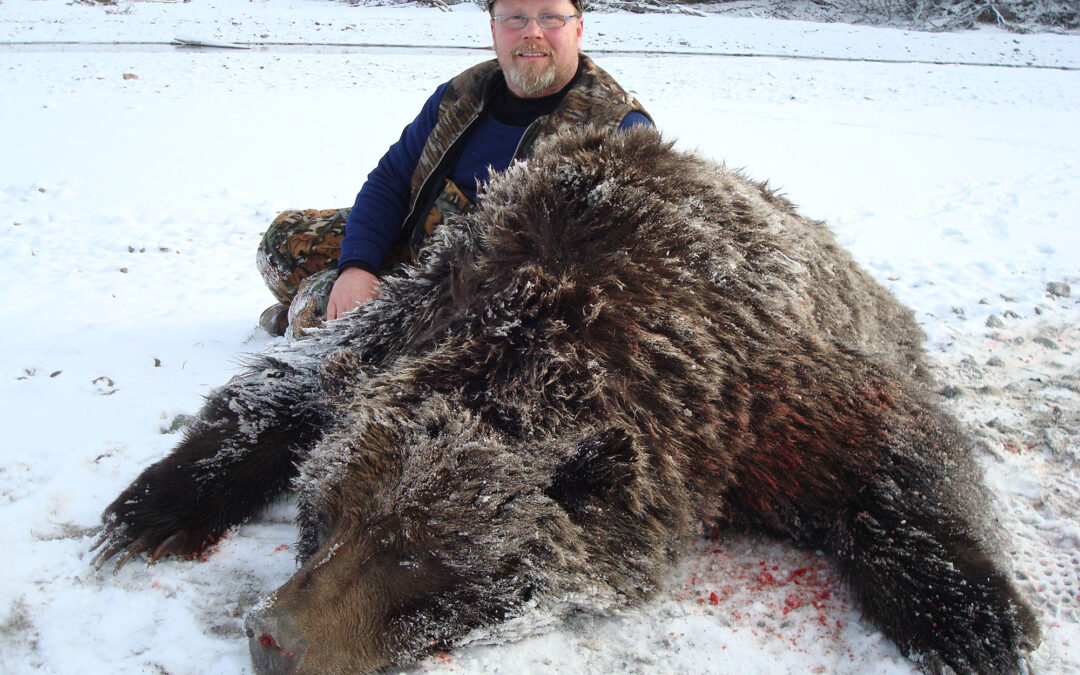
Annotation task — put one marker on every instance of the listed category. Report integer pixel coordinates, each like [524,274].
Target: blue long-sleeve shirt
[381,206]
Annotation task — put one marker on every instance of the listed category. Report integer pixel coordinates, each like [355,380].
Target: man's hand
[354,287]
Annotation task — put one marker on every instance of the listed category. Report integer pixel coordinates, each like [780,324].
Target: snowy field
[136,181]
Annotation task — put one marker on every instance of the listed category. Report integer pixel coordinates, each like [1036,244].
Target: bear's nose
[276,646]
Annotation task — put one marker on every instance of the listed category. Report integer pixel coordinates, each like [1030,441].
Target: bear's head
[424,535]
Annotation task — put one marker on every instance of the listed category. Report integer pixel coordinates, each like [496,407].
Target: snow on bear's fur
[621,344]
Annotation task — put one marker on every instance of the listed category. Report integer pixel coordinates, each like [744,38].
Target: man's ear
[600,473]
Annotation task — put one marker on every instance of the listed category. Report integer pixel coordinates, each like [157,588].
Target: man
[323,264]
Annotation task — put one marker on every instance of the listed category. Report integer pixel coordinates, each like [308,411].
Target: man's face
[537,62]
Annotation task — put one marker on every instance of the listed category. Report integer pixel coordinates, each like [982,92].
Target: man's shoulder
[590,67]
[599,98]
[470,88]
[474,74]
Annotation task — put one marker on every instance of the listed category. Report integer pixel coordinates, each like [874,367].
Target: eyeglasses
[545,21]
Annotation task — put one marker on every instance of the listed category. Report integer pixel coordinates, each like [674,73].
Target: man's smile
[531,53]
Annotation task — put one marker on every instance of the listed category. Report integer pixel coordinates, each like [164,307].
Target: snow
[130,210]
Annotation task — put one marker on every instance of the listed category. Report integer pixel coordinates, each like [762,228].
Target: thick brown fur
[623,343]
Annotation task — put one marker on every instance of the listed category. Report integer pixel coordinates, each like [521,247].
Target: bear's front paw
[120,538]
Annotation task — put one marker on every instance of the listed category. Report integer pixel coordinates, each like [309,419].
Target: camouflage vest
[595,99]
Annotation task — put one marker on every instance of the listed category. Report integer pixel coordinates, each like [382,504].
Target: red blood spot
[793,602]
[267,640]
[283,547]
[766,579]
[795,574]
[714,598]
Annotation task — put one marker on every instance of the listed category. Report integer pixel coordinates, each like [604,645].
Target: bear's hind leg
[235,457]
[915,558]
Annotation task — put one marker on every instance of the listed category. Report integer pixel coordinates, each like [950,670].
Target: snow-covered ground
[136,181]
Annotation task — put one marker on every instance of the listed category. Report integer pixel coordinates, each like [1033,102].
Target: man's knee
[308,308]
[298,244]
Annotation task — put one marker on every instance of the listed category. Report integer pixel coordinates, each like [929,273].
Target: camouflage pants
[299,253]
[298,258]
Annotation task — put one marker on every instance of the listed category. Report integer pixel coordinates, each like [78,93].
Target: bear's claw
[173,544]
[116,541]
[112,541]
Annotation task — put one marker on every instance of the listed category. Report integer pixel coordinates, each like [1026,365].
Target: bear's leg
[236,456]
[923,573]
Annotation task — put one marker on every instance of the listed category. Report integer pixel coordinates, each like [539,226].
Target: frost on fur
[621,344]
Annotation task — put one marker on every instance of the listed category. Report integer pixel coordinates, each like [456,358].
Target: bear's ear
[599,473]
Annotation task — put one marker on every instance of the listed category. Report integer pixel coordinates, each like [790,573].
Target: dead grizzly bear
[622,343]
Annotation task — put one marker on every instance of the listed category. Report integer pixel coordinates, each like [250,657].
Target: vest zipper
[424,197]
[528,137]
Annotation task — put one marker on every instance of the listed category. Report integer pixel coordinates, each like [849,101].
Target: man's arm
[377,214]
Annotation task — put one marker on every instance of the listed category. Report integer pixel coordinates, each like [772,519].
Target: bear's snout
[276,646]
